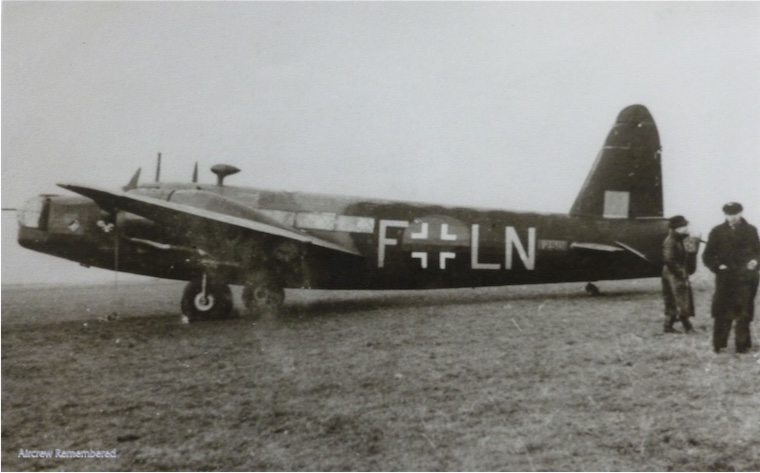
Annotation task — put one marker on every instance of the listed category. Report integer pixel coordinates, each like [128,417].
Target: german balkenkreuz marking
[451,236]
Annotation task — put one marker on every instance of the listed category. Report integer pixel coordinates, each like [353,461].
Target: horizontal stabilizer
[633,250]
[609,248]
[595,247]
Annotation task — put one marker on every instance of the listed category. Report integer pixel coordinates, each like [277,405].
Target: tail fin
[626,180]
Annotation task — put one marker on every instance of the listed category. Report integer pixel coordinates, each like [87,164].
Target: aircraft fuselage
[403,245]
[214,236]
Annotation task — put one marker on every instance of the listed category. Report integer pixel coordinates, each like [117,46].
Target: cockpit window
[33,214]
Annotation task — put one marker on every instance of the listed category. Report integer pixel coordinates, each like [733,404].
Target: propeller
[111,219]
[117,296]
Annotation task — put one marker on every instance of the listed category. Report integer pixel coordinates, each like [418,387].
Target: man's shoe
[670,330]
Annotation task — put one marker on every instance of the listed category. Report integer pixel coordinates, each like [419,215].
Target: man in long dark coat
[733,253]
[678,264]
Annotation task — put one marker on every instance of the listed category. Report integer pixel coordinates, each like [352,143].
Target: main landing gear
[263,295]
[205,299]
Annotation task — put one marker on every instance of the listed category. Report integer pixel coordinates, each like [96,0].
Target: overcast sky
[484,104]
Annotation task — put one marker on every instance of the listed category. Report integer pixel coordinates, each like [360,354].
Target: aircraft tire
[263,298]
[216,305]
[592,289]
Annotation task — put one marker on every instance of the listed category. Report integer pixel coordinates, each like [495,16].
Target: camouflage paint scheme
[182,231]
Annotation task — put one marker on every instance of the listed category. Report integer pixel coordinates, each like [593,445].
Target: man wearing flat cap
[733,254]
[678,264]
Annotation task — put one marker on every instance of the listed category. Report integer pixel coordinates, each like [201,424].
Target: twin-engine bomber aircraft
[217,235]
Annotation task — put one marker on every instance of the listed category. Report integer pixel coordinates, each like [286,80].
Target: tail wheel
[213,303]
[265,297]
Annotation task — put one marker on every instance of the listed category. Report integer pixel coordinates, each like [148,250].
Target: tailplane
[626,180]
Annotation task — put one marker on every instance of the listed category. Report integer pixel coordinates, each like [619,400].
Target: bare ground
[516,378]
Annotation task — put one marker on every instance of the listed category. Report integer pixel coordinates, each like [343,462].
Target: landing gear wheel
[592,290]
[262,298]
[215,303]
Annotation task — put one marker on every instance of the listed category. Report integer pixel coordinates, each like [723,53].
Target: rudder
[626,179]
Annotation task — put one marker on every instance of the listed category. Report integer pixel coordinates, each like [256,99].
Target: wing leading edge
[172,213]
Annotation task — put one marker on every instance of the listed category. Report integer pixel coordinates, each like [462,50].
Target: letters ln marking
[474,250]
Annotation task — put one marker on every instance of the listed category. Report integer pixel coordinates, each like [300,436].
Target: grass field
[516,378]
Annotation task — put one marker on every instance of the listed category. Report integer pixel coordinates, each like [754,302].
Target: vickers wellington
[215,236]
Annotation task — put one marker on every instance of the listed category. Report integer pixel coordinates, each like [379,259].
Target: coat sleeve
[670,258]
[755,245]
[710,256]
[691,263]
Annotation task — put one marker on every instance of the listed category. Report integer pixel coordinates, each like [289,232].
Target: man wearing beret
[678,265]
[732,253]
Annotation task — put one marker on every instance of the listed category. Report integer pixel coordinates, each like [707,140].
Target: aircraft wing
[180,215]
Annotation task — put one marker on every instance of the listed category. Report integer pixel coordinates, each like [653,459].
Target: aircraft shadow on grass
[360,306]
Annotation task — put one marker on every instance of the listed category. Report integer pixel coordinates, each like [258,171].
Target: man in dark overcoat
[678,264]
[732,253]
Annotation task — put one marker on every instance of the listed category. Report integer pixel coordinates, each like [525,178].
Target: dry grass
[520,378]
